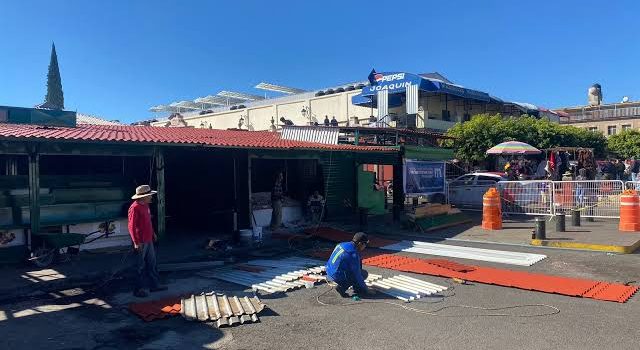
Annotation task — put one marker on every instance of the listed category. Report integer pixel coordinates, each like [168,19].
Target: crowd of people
[546,169]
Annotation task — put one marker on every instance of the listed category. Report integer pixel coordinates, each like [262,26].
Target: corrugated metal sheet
[490,255]
[576,287]
[221,309]
[270,276]
[383,104]
[412,99]
[317,134]
[339,178]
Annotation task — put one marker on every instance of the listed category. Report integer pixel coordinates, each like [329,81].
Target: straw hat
[143,191]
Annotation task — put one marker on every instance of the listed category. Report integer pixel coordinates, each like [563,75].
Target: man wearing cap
[345,266]
[142,236]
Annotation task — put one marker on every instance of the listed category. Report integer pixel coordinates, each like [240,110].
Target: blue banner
[421,178]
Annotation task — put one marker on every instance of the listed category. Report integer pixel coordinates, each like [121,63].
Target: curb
[622,249]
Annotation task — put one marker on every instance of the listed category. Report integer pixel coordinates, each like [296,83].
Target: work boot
[342,291]
[158,289]
[140,293]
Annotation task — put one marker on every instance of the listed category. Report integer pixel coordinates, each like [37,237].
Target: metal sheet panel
[221,309]
[317,134]
[490,255]
[412,99]
[383,104]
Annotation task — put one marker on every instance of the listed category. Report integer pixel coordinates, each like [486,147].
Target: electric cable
[435,312]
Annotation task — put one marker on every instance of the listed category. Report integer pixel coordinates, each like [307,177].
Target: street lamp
[273,127]
[306,113]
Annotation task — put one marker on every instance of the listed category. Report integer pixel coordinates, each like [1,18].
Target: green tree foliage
[483,131]
[54,97]
[625,144]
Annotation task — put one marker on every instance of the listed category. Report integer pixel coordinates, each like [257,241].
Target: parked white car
[467,190]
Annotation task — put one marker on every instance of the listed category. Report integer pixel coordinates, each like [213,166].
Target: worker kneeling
[345,266]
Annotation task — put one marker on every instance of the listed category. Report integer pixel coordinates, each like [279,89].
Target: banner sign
[421,177]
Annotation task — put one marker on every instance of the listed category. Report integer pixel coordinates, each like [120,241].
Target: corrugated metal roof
[85,119]
[154,135]
[319,134]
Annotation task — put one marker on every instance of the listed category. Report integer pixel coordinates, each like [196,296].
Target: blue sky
[118,58]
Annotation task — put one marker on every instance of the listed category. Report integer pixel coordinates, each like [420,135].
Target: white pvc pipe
[437,287]
[413,290]
[411,293]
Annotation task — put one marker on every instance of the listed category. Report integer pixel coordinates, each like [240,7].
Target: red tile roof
[157,135]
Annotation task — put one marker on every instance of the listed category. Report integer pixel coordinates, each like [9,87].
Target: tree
[483,131]
[55,96]
[625,144]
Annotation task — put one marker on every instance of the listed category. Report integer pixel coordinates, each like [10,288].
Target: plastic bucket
[246,236]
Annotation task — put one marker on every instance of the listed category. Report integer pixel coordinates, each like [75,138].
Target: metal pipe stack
[405,288]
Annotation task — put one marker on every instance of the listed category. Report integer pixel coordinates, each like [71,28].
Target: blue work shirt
[345,265]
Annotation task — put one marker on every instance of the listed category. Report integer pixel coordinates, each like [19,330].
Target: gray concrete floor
[100,320]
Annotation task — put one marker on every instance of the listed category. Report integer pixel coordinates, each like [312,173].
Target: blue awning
[397,82]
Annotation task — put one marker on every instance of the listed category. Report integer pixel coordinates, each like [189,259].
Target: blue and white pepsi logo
[391,77]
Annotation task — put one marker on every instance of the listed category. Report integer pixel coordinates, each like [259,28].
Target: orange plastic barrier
[491,210]
[629,211]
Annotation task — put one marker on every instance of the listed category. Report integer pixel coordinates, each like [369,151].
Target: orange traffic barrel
[629,211]
[491,210]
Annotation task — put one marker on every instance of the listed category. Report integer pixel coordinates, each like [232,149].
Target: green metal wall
[340,183]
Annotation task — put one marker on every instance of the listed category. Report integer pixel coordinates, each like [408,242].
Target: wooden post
[159,161]
[34,193]
[252,223]
[398,190]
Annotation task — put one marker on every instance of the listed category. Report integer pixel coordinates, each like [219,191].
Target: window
[611,129]
[592,128]
[487,180]
[466,180]
[626,127]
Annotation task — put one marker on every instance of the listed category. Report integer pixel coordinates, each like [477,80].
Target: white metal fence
[526,197]
[632,185]
[597,198]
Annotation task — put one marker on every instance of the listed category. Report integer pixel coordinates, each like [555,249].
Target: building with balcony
[427,101]
[608,119]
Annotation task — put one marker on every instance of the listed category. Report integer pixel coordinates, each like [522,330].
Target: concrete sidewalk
[94,268]
[599,235]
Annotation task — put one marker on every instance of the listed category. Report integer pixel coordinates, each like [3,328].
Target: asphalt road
[297,320]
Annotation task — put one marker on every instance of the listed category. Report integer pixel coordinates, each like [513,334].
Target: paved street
[100,320]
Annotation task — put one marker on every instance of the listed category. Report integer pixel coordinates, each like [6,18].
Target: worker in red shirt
[142,236]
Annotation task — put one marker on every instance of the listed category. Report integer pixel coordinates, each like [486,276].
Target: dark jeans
[146,266]
[276,214]
[350,281]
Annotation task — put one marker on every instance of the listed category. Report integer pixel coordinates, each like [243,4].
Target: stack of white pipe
[405,288]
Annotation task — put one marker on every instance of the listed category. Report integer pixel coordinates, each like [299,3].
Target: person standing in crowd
[315,204]
[580,190]
[635,169]
[608,170]
[619,166]
[276,202]
[627,169]
[142,237]
[326,121]
[334,122]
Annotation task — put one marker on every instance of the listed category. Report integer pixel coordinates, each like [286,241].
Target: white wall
[338,105]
